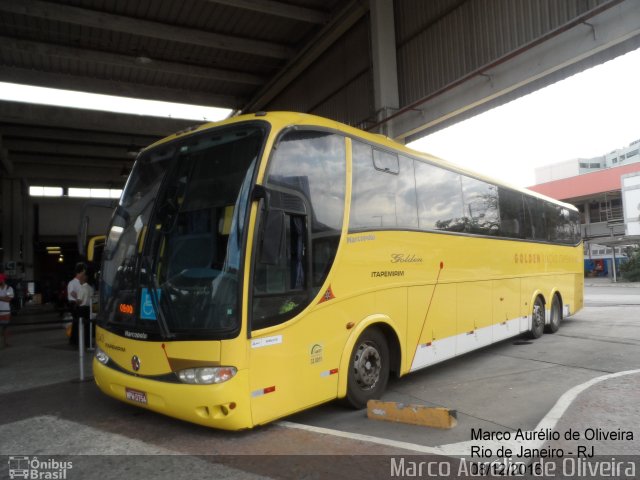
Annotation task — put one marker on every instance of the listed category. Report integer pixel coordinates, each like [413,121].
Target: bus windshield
[173,254]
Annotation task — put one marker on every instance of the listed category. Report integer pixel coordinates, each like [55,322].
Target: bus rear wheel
[555,316]
[537,319]
[368,369]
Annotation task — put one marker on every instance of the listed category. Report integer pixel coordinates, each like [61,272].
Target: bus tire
[368,369]
[555,316]
[537,318]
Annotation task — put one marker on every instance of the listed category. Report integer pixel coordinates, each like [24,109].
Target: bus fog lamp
[206,375]
[102,357]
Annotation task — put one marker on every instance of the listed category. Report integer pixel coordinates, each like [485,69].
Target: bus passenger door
[294,363]
[295,337]
[294,350]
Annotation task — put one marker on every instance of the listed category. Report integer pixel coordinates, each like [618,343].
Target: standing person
[84,305]
[73,291]
[6,295]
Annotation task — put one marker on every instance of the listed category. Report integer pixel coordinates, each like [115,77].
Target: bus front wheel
[555,316]
[368,368]
[537,319]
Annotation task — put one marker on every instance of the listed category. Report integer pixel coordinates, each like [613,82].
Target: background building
[578,166]
[606,190]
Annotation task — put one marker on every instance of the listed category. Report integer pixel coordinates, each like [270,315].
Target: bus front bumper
[225,406]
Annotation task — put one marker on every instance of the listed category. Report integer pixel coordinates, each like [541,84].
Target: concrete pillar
[587,213]
[28,233]
[17,229]
[385,68]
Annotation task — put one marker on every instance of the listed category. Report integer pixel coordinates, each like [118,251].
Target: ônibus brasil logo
[34,468]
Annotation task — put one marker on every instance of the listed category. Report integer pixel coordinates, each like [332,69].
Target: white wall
[556,171]
[631,203]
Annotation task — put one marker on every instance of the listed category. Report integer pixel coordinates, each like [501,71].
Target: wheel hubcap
[367,366]
[538,316]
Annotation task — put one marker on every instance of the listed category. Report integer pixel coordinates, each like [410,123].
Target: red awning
[585,185]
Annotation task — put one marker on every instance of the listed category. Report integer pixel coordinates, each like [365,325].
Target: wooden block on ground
[436,417]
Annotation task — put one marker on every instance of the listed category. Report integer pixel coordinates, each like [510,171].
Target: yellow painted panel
[392,303]
[417,303]
[223,406]
[300,360]
[474,307]
[152,356]
[506,300]
[441,320]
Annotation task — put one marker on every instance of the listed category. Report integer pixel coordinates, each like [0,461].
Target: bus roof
[280,120]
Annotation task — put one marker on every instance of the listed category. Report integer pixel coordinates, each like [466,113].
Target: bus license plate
[136,395]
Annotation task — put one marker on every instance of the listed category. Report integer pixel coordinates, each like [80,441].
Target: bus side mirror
[272,237]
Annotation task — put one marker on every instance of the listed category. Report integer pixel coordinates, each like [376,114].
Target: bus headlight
[206,375]
[102,357]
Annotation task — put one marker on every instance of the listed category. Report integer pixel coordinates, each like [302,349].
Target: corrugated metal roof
[442,40]
[210,35]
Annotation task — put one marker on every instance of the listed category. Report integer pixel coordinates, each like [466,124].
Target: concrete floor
[48,413]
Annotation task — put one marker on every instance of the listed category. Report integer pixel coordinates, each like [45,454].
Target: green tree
[631,269]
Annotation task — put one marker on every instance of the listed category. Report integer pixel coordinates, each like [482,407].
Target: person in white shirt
[84,298]
[6,295]
[73,289]
[85,293]
[84,306]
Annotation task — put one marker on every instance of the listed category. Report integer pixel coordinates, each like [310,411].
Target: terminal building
[606,191]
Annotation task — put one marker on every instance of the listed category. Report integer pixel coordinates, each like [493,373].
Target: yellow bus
[271,262]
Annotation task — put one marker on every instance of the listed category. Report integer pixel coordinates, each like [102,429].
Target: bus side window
[439,198]
[576,234]
[535,215]
[480,206]
[554,223]
[560,225]
[384,192]
[512,217]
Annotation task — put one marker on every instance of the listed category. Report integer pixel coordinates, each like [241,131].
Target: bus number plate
[136,395]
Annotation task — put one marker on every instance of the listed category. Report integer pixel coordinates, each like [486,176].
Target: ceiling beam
[90,120]
[331,32]
[33,160]
[68,149]
[62,175]
[78,136]
[114,87]
[278,9]
[145,28]
[128,61]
